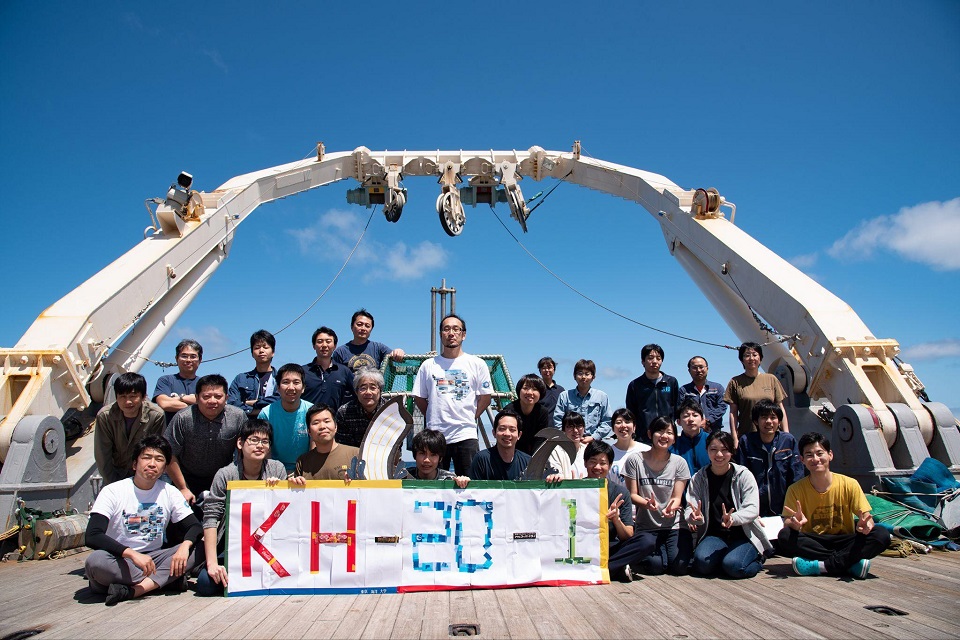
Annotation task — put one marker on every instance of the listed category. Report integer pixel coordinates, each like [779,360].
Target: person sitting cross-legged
[819,530]
[254,463]
[128,524]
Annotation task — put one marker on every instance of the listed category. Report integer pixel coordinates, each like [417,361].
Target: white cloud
[614,373]
[335,233]
[804,261]
[928,233]
[949,348]
[213,341]
[216,58]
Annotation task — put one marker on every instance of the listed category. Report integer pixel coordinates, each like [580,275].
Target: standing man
[203,438]
[547,368]
[708,394]
[362,351]
[289,417]
[654,394]
[121,425]
[502,461]
[592,404]
[178,391]
[255,389]
[819,531]
[452,390]
[325,381]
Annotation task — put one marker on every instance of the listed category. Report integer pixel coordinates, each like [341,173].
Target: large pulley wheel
[452,217]
[518,208]
[395,208]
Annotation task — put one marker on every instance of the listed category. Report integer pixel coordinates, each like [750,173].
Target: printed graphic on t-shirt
[146,523]
[453,383]
[659,481]
[826,518]
[362,361]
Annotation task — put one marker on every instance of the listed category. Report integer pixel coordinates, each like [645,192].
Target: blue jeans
[737,560]
[206,586]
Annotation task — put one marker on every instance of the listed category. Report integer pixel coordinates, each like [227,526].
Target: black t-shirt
[721,495]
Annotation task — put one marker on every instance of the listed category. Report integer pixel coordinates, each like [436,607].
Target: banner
[396,536]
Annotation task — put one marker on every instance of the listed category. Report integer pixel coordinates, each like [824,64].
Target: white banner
[390,536]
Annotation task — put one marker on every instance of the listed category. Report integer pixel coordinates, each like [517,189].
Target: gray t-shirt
[658,486]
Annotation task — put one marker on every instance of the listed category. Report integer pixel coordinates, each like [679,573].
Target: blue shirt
[290,436]
[174,384]
[711,402]
[693,450]
[332,387]
[594,407]
[370,354]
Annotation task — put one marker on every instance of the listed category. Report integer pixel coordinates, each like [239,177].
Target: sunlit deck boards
[53,594]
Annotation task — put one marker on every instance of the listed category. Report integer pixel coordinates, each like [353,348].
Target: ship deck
[52,595]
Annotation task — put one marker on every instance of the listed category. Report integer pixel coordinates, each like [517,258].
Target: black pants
[654,553]
[462,454]
[839,552]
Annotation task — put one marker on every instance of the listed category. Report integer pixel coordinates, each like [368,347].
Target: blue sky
[832,126]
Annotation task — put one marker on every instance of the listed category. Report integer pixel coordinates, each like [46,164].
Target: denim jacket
[246,386]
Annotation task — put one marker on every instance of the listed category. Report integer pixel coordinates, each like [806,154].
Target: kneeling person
[128,524]
[597,457]
[819,531]
[502,461]
[428,449]
[254,464]
[330,460]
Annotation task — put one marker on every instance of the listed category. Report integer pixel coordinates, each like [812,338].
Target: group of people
[306,422]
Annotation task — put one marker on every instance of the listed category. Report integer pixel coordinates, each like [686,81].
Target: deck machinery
[840,379]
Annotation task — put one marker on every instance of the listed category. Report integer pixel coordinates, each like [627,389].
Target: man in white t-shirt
[128,524]
[452,390]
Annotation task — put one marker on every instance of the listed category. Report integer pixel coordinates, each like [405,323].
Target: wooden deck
[53,595]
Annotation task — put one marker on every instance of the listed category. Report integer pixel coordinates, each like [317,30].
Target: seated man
[121,425]
[598,456]
[329,460]
[255,389]
[353,418]
[254,464]
[501,461]
[203,438]
[819,531]
[362,352]
[289,416]
[771,456]
[127,527]
[691,444]
[428,449]
[178,390]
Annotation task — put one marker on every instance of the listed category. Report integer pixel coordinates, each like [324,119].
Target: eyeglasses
[188,356]
[257,441]
[451,330]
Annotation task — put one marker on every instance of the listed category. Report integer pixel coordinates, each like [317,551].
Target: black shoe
[118,593]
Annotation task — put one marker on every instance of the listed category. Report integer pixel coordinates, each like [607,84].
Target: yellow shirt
[830,512]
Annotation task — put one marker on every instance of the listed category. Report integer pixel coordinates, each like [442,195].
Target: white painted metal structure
[62,363]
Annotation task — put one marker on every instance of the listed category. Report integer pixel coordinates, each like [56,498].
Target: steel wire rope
[296,164]
[760,323]
[164,365]
[599,304]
